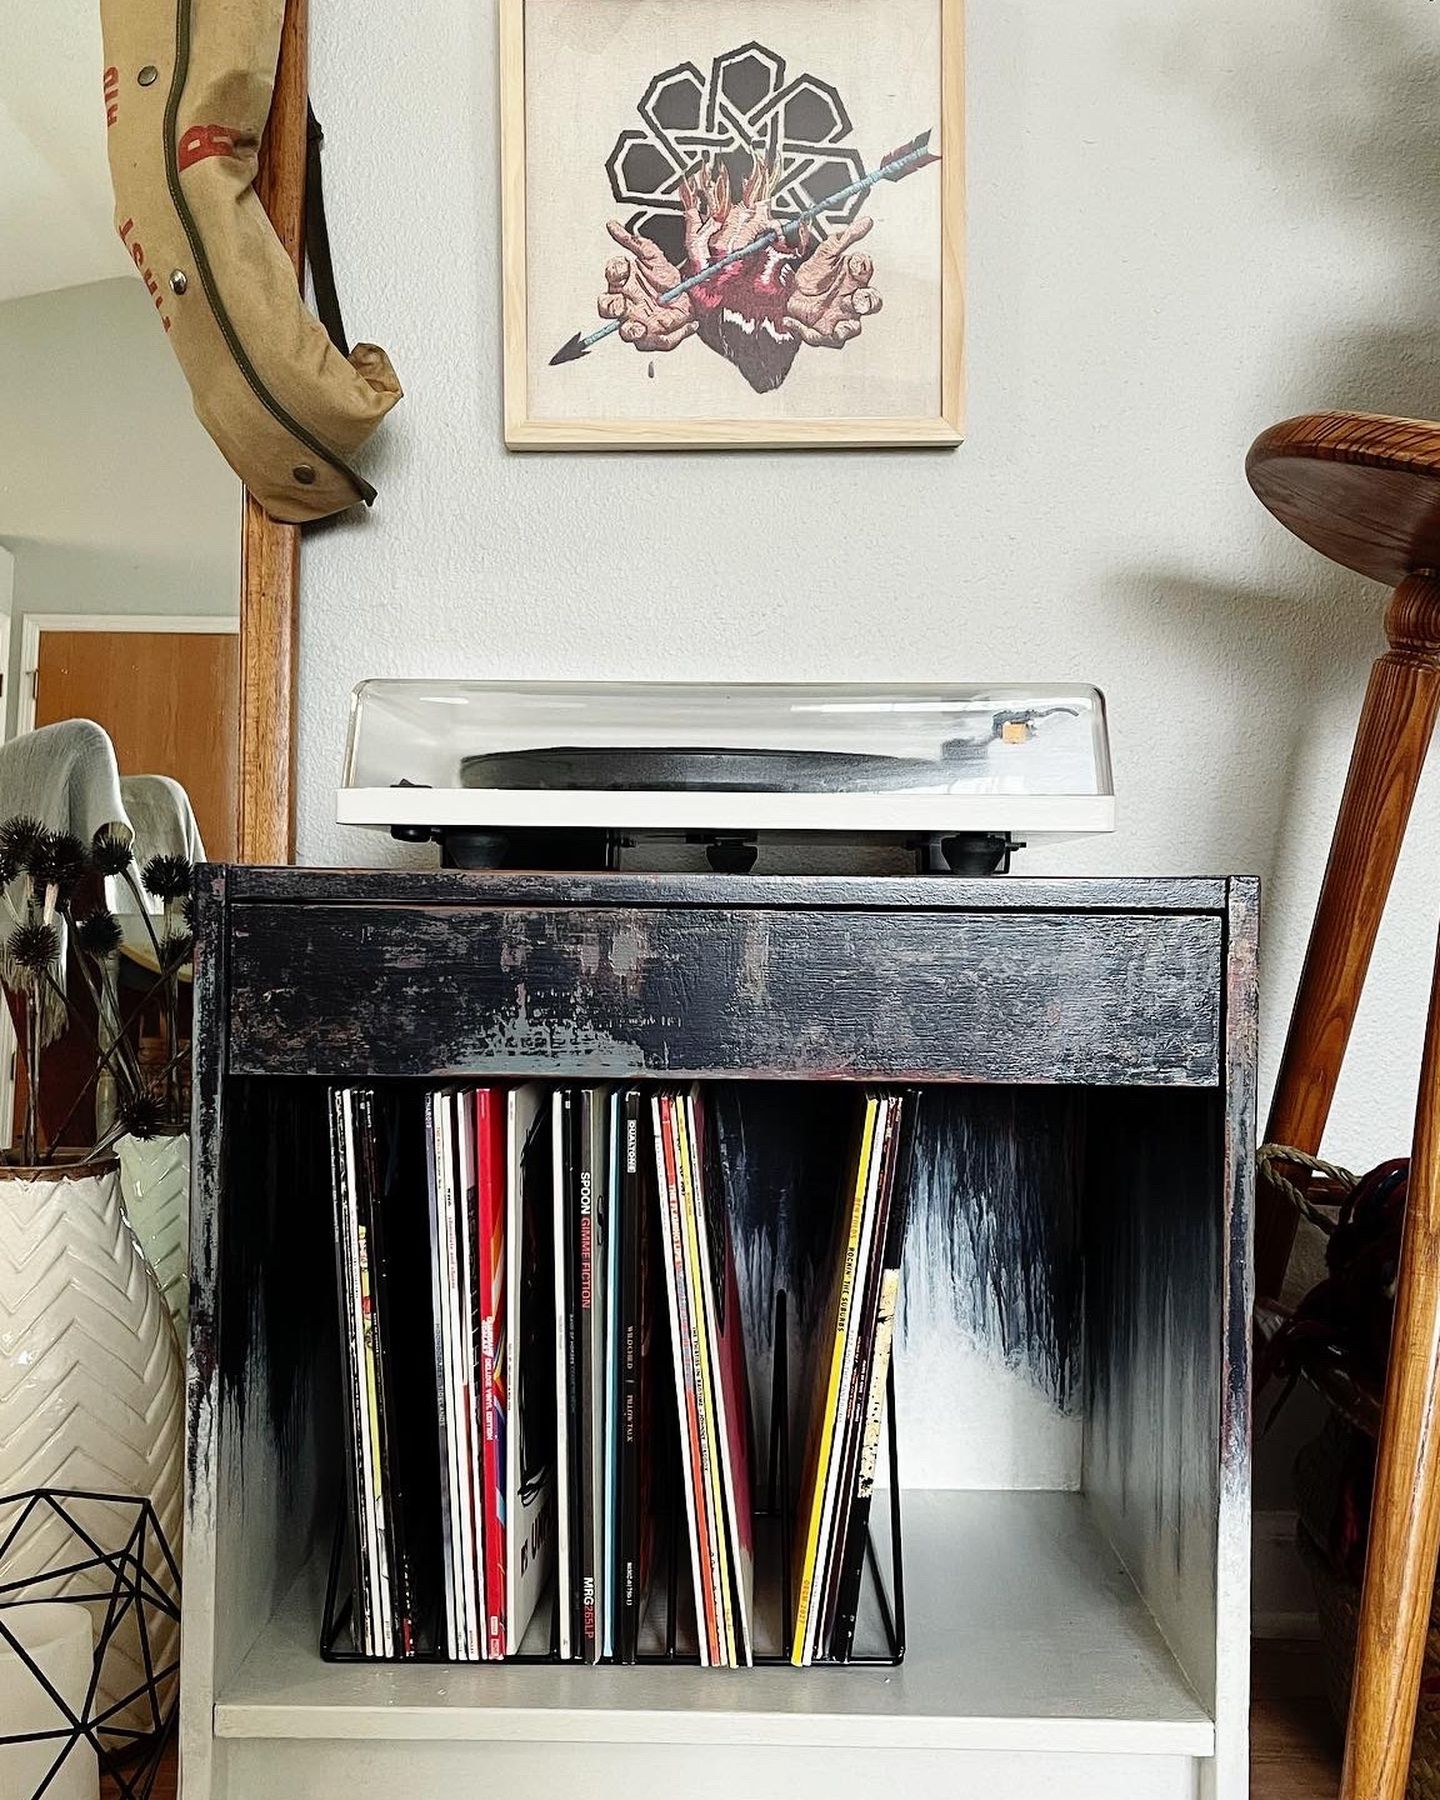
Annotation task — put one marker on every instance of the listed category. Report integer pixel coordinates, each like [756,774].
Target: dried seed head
[99,934]
[34,947]
[176,949]
[168,877]
[142,1115]
[110,853]
[57,859]
[18,836]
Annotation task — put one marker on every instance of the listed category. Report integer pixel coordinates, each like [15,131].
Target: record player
[587,775]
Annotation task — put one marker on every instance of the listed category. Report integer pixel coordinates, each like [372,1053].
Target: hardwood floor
[1294,1740]
[165,1782]
[1295,1746]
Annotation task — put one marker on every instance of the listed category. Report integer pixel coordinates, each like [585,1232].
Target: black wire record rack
[884,1620]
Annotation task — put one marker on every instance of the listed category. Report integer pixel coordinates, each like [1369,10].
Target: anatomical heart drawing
[741,217]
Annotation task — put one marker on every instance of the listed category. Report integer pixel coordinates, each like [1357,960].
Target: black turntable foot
[732,856]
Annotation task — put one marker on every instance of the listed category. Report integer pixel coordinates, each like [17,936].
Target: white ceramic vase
[92,1392]
[155,1185]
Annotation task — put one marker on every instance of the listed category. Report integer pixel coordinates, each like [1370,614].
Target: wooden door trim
[270,551]
[35,625]
[7,640]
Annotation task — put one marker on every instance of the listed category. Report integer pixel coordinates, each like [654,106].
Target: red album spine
[490,1203]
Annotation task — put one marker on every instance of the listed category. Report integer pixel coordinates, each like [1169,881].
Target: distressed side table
[1088,1051]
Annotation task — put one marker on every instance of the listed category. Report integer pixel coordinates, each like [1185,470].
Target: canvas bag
[188,85]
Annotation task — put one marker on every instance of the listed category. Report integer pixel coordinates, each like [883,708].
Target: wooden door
[170,702]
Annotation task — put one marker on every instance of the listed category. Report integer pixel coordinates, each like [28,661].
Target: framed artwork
[732,222]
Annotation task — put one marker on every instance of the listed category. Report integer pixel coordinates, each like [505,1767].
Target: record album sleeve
[529,1359]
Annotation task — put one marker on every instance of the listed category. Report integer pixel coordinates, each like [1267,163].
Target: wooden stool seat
[1360,488]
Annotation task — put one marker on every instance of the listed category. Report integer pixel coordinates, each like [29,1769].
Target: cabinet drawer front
[611,993]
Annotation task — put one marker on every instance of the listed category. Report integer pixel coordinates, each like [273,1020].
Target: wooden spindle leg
[1396,726]
[270,551]
[1405,1513]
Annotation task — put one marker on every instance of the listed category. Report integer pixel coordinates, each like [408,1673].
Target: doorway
[162,687]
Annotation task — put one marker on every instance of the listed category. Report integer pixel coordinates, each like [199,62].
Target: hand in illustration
[757,311]
[634,284]
[831,291]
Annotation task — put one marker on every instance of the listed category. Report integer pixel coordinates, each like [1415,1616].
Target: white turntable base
[839,815]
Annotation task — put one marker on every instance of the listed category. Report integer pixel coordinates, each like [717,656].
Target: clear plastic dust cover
[702,757]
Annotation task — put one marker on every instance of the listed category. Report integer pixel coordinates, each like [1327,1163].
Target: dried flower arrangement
[41,873]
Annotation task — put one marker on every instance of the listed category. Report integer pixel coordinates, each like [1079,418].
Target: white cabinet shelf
[1026,1635]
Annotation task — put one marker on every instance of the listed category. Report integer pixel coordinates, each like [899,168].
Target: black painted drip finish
[785,1151]
[995,1226]
[277,1250]
[994,1233]
[1153,1249]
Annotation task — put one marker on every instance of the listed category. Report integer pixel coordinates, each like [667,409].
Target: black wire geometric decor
[115,1579]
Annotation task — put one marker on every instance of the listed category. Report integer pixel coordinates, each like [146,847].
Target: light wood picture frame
[625,173]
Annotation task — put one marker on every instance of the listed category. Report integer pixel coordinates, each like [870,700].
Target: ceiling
[56,227]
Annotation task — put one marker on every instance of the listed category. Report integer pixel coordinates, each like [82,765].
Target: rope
[1271,1158]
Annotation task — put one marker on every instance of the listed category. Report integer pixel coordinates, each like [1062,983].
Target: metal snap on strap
[178,281]
[304,474]
[148,76]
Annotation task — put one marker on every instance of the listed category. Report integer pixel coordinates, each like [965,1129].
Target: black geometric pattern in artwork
[743,110]
[118,1575]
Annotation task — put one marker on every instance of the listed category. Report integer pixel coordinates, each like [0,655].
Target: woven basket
[1319,1472]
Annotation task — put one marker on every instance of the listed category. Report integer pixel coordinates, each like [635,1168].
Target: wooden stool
[1366,492]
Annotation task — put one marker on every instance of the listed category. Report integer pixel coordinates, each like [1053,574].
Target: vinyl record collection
[544,1375]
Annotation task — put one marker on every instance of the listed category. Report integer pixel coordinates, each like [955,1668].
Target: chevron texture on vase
[155,1185]
[92,1392]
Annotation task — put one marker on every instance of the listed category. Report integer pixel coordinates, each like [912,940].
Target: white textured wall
[112,498]
[1189,218]
[103,461]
